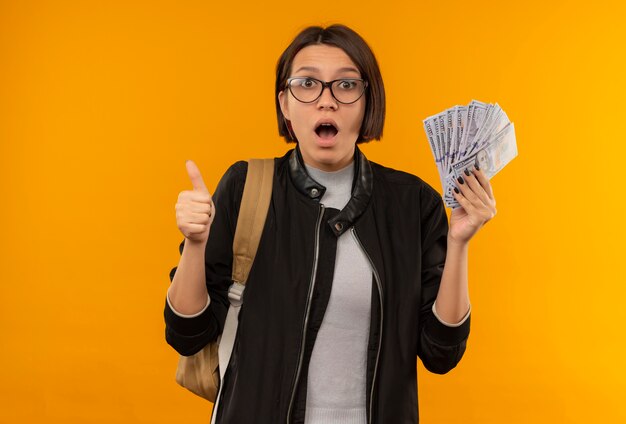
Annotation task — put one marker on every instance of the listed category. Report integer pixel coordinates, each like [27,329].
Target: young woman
[357,273]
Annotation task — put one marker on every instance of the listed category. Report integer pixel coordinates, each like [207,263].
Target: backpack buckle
[235,293]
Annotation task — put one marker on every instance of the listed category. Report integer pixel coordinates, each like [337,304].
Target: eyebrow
[313,68]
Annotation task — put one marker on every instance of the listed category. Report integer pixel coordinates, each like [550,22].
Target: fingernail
[467,172]
[460,180]
[476,166]
[456,190]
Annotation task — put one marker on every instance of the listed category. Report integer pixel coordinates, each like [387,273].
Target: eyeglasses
[308,89]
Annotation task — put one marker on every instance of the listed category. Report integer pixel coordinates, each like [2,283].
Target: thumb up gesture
[195,209]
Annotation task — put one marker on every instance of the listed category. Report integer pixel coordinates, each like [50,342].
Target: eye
[307,83]
[347,84]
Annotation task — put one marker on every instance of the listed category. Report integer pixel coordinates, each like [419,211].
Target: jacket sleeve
[189,334]
[441,346]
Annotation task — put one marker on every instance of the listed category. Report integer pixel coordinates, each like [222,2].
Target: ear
[282,100]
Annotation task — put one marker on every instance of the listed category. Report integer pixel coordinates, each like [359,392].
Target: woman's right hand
[195,209]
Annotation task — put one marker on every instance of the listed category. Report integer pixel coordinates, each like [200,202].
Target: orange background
[101,103]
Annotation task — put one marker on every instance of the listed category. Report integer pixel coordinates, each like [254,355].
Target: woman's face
[322,149]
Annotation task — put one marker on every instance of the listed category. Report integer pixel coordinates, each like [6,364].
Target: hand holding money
[478,205]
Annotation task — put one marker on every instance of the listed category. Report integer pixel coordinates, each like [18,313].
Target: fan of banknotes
[461,136]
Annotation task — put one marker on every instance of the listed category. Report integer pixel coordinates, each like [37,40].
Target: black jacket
[400,222]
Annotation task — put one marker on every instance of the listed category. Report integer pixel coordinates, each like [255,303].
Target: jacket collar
[361,188]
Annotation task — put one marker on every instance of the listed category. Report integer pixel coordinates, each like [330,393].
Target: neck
[328,167]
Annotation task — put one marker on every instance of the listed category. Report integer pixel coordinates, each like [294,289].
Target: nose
[326,100]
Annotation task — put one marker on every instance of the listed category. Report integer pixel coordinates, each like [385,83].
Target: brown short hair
[357,49]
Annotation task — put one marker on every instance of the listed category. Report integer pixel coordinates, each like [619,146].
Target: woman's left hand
[477,206]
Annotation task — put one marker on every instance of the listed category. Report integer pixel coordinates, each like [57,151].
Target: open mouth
[326,131]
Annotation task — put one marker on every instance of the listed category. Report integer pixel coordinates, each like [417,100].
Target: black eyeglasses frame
[329,85]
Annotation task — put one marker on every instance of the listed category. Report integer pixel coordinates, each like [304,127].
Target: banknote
[462,137]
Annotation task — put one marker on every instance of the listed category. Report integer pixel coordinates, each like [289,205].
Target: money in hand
[463,136]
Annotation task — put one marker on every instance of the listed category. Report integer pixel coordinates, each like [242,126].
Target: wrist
[195,244]
[457,244]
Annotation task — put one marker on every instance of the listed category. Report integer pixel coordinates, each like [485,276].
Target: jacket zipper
[308,308]
[380,337]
